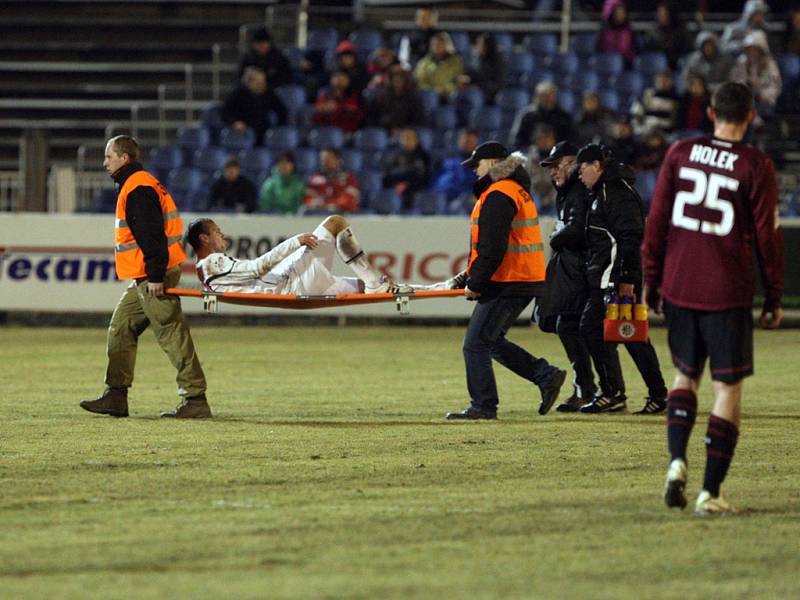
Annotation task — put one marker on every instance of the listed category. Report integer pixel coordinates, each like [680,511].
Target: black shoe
[572,404]
[113,401]
[550,390]
[653,406]
[471,414]
[603,404]
[195,407]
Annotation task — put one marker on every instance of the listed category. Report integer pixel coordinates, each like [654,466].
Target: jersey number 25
[705,192]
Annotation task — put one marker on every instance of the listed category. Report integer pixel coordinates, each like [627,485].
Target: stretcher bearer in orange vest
[148,252]
[506,271]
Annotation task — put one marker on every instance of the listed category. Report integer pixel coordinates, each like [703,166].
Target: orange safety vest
[128,256]
[524,258]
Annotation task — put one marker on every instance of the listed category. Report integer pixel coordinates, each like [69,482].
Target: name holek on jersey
[706,155]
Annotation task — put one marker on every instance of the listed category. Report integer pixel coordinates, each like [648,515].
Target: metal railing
[12,190]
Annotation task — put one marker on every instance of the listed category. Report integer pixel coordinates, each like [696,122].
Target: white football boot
[674,496]
[387,286]
[709,505]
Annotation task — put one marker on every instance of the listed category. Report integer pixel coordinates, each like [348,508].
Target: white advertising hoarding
[65,263]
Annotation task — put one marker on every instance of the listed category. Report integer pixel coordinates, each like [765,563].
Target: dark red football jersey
[715,203]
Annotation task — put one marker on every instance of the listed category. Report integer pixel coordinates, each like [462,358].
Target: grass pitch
[329,472]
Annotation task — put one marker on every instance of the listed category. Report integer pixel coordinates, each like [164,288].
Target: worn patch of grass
[329,472]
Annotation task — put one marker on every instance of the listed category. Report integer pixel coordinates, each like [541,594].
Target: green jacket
[282,194]
[440,76]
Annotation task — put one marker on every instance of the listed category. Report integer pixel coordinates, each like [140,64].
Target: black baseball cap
[563,148]
[485,150]
[590,153]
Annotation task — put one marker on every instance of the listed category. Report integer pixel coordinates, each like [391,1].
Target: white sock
[351,252]
[345,285]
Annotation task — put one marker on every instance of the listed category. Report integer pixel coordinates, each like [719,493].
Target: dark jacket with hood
[566,275]
[494,226]
[614,229]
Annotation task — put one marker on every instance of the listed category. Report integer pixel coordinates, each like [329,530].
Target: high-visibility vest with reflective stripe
[128,256]
[524,258]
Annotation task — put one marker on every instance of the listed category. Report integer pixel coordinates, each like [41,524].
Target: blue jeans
[486,340]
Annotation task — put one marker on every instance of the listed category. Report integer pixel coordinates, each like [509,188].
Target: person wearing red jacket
[332,188]
[340,105]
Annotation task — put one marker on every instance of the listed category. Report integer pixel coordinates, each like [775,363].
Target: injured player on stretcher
[301,265]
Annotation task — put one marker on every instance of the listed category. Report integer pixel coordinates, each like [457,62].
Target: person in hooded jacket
[614,233]
[566,291]
[754,18]
[707,61]
[506,270]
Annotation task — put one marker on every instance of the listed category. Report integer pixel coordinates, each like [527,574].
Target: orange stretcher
[292,301]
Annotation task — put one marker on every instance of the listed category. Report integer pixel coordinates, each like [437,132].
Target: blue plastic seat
[234,141]
[282,137]
[512,99]
[426,138]
[583,44]
[371,139]
[323,137]
[366,40]
[212,117]
[630,83]
[504,41]
[460,41]
[322,39]
[520,63]
[191,139]
[163,160]
[386,202]
[467,100]
[185,180]
[789,65]
[530,80]
[541,43]
[650,63]
[256,160]
[607,64]
[104,201]
[587,81]
[429,99]
[609,99]
[445,117]
[209,159]
[195,201]
[487,118]
[566,62]
[353,159]
[293,97]
[429,203]
[306,160]
[567,101]
[371,183]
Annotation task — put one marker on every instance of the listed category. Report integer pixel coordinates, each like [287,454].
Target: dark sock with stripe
[721,440]
[681,413]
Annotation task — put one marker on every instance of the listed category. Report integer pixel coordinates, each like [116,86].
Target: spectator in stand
[440,69]
[332,188]
[651,151]
[658,105]
[488,68]
[312,74]
[399,104]
[693,108]
[543,109]
[623,142]
[264,55]
[542,190]
[593,122]
[617,34]
[455,180]
[754,18]
[379,67]
[339,105]
[670,35]
[419,40]
[283,191]
[756,68]
[791,38]
[347,61]
[232,191]
[252,103]
[707,62]
[407,169]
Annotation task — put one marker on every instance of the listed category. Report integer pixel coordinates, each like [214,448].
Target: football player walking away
[715,203]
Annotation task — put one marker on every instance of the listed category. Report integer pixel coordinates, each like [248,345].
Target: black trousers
[486,340]
[568,329]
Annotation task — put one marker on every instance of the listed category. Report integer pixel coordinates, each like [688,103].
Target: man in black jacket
[252,104]
[264,55]
[566,287]
[506,271]
[614,233]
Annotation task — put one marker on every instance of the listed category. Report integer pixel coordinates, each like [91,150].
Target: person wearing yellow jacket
[148,252]
[506,271]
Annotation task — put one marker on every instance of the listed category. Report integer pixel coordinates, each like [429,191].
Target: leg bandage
[351,252]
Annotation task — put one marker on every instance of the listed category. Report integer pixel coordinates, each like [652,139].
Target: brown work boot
[195,407]
[113,401]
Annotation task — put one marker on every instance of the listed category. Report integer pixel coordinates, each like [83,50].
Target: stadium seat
[565,79]
[682,134]
[567,101]
[282,137]
[429,99]
[196,201]
[104,201]
[294,97]
[322,137]
[191,139]
[184,180]
[646,184]
[371,183]
[504,41]
[386,202]
[650,63]
[565,63]
[295,56]
[371,139]
[366,41]
[583,44]
[541,43]
[306,160]
[429,203]
[610,99]
[587,81]
[304,117]
[254,161]
[630,83]
[322,39]
[426,138]
[353,159]
[789,65]
[512,99]
[461,42]
[235,141]
[209,159]
[608,65]
[466,101]
[487,118]
[211,118]
[520,63]
[445,117]
[163,160]
[529,81]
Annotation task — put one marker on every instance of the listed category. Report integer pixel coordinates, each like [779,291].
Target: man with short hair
[506,270]
[715,204]
[332,188]
[147,252]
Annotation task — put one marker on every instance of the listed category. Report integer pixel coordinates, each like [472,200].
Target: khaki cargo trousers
[135,312]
